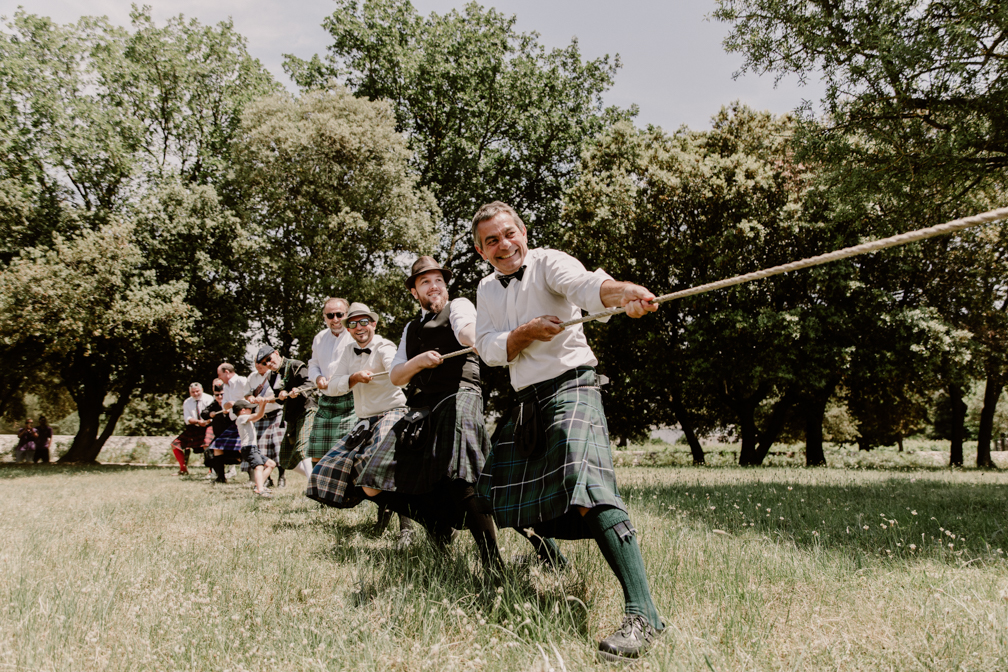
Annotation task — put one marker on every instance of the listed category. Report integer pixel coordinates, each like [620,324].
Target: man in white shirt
[269,427]
[433,467]
[335,416]
[194,436]
[377,402]
[551,467]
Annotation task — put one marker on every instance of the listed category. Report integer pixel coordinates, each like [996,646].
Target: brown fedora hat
[421,266]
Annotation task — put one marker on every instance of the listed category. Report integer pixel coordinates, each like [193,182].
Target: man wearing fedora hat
[377,402]
[297,394]
[433,476]
[551,466]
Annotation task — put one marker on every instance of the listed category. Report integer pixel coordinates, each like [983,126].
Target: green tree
[118,139]
[673,212]
[916,132]
[489,113]
[330,206]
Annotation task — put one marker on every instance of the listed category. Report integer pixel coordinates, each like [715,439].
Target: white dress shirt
[463,313]
[380,394]
[191,408]
[327,349]
[234,389]
[554,283]
[254,380]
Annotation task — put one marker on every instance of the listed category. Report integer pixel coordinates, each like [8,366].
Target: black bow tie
[361,351]
[505,280]
[428,317]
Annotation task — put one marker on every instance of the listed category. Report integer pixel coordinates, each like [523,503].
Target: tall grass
[108,568]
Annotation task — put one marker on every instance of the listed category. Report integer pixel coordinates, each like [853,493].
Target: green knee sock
[617,540]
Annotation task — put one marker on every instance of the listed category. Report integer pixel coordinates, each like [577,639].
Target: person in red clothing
[196,433]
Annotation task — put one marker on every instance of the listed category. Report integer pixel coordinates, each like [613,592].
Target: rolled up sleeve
[491,344]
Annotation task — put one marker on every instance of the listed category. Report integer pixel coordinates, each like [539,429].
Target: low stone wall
[135,449]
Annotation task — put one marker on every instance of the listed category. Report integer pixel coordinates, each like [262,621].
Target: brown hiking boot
[633,639]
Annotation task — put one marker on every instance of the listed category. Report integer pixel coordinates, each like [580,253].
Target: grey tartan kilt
[334,420]
[269,434]
[574,469]
[457,449]
[333,481]
[295,439]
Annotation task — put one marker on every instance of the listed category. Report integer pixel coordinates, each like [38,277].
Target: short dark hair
[489,211]
[227,367]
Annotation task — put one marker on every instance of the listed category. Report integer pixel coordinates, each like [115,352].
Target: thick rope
[856,250]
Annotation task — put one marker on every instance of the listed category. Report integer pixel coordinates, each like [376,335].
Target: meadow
[134,568]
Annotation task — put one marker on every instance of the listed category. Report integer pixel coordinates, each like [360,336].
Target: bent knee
[370,492]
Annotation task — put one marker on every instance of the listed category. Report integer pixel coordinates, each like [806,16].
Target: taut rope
[863,248]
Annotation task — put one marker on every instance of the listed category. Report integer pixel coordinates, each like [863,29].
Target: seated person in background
[43,440]
[245,419]
[25,450]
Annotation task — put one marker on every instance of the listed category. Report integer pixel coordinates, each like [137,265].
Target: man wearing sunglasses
[297,394]
[335,417]
[377,402]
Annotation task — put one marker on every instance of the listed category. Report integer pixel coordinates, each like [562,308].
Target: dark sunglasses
[218,394]
[364,321]
[333,316]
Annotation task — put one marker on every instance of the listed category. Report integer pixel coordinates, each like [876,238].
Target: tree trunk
[776,423]
[992,392]
[958,425]
[815,456]
[746,410]
[687,427]
[87,443]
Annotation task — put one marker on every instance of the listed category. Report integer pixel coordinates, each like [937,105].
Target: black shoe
[282,482]
[269,482]
[632,640]
[220,480]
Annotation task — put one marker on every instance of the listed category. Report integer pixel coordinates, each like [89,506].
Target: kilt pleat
[269,434]
[295,439]
[193,436]
[333,481]
[333,420]
[457,449]
[574,469]
[228,439]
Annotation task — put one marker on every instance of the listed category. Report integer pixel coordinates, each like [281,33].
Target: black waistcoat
[437,334]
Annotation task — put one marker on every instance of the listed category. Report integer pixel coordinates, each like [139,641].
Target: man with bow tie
[377,402]
[551,467]
[430,462]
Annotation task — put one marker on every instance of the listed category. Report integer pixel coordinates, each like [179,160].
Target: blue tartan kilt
[573,469]
[456,449]
[228,439]
[333,481]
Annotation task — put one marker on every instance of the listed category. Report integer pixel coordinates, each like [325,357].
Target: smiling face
[195,392]
[502,242]
[337,309]
[430,290]
[360,332]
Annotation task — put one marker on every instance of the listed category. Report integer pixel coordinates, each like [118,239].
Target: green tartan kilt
[457,449]
[295,440]
[573,469]
[333,481]
[334,420]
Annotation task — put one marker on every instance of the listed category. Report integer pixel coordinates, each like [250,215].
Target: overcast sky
[674,67]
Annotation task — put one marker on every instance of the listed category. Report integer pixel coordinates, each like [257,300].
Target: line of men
[427,456]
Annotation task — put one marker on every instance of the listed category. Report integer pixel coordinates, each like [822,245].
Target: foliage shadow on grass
[885,519]
[11,470]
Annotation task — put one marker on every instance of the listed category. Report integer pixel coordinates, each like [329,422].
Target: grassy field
[127,568]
